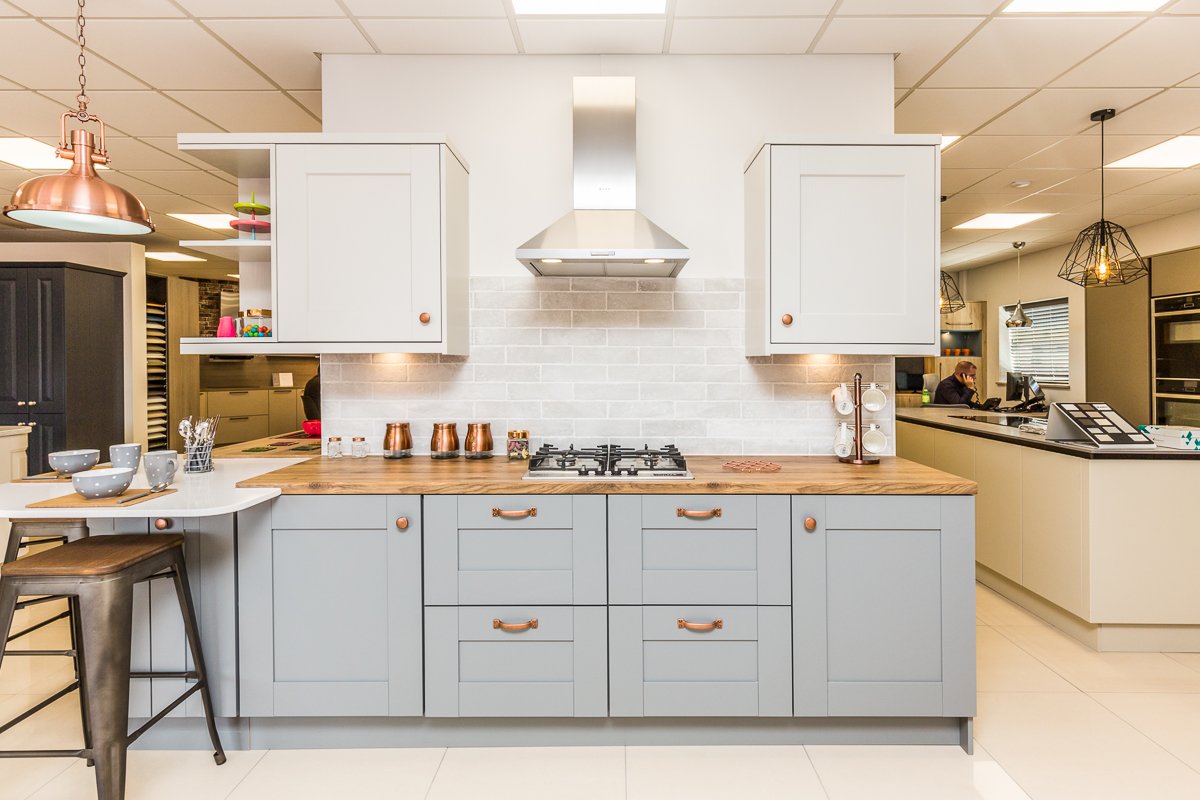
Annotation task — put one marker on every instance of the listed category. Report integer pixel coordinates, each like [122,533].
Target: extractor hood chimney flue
[604,235]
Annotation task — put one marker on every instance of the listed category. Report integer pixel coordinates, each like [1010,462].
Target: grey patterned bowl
[98,484]
[68,462]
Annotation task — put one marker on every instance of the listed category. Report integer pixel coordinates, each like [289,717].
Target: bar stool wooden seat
[97,574]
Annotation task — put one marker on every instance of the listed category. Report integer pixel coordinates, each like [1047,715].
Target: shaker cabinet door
[358,241]
[853,234]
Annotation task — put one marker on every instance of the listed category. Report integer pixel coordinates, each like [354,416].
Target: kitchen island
[1099,543]
[365,602]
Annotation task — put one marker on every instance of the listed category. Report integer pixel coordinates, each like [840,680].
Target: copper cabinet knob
[810,524]
[402,523]
[424,317]
[162,523]
[787,319]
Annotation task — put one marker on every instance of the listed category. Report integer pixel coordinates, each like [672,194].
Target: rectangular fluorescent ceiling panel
[1081,6]
[216,222]
[172,256]
[29,153]
[999,221]
[588,8]
[948,140]
[1178,153]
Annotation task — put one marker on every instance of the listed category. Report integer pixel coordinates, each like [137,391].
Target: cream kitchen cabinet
[842,247]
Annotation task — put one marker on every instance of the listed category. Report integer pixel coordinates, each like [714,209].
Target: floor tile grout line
[1041,661]
[1184,663]
[817,772]
[1141,732]
[438,769]
[625,748]
[980,746]
[48,781]
[253,767]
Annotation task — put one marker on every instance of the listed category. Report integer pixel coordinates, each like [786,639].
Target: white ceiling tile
[592,35]
[1184,181]
[132,183]
[955,180]
[285,49]
[1082,152]
[973,252]
[1179,205]
[425,8]
[1184,7]
[1133,203]
[48,60]
[7,10]
[971,206]
[250,111]
[752,8]
[937,7]
[1118,180]
[920,41]
[993,151]
[49,9]
[441,35]
[790,35]
[1161,52]
[169,54]
[952,238]
[163,204]
[143,114]
[1193,81]
[135,154]
[31,114]
[220,202]
[310,100]
[956,111]
[262,8]
[1040,180]
[1049,201]
[1027,52]
[6,86]
[1063,111]
[1174,111]
[170,145]
[185,182]
[11,177]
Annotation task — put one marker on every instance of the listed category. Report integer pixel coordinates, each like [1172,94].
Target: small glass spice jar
[518,445]
[358,447]
[333,447]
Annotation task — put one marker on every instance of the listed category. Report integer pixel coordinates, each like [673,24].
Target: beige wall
[124,257]
[1175,273]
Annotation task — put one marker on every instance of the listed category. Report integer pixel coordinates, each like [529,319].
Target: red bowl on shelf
[312,427]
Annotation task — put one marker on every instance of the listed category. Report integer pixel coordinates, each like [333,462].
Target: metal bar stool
[98,574]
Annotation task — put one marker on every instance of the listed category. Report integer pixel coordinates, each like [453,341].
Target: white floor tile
[911,773]
[1069,747]
[530,773]
[32,674]
[1103,672]
[992,609]
[56,727]
[20,778]
[324,774]
[720,773]
[1002,666]
[158,775]
[1187,659]
[1169,719]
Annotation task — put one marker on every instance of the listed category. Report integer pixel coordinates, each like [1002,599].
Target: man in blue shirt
[959,388]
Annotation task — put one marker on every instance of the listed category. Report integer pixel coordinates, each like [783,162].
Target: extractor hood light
[949,140]
[216,222]
[654,261]
[169,255]
[1178,153]
[999,221]
[588,8]
[26,153]
[1081,6]
[551,260]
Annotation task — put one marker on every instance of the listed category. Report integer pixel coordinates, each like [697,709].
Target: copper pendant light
[79,200]
[1018,318]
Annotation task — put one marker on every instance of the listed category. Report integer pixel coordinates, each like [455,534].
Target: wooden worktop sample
[423,475]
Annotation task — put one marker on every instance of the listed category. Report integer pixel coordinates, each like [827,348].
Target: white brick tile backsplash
[583,360]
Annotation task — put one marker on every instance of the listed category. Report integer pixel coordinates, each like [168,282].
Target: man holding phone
[959,388]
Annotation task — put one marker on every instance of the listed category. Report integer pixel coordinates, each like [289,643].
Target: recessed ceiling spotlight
[1000,221]
[589,8]
[169,255]
[1178,153]
[216,222]
[949,139]
[1021,184]
[1081,6]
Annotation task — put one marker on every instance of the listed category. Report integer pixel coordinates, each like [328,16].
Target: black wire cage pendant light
[1103,253]
[950,299]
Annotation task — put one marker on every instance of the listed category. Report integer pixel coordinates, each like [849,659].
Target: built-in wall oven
[1177,360]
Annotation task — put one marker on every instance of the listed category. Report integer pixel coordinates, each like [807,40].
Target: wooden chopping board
[76,500]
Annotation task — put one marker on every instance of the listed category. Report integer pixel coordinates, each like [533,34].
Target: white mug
[843,440]
[874,398]
[874,440]
[843,401]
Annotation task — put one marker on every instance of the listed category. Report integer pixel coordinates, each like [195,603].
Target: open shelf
[232,249]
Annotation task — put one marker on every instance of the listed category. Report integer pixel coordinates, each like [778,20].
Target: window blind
[1043,349]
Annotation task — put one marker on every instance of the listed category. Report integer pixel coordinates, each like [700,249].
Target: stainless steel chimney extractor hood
[605,235]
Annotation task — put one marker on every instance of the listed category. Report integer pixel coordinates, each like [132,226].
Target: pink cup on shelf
[225,327]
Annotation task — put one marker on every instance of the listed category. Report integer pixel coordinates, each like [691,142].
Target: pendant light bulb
[1018,318]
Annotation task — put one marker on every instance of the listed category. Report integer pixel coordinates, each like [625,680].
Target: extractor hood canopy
[605,235]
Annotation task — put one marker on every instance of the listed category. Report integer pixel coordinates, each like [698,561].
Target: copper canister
[397,440]
[479,440]
[444,443]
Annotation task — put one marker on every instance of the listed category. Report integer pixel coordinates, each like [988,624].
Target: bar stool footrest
[17,720]
[38,626]
[174,704]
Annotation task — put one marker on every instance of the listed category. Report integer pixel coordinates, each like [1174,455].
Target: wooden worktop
[423,475]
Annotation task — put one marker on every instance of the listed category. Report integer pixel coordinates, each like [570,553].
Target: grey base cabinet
[331,607]
[883,606]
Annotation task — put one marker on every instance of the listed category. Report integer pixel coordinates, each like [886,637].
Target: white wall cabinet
[842,248]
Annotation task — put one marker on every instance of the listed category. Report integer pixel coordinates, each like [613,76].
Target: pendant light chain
[81,24]
[1101,160]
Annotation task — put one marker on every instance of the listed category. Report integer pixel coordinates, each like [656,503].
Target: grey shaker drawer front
[693,511]
[867,512]
[510,561]
[660,670]
[329,512]
[558,669]
[514,511]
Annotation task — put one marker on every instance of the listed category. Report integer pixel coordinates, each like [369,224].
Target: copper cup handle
[810,524]
[716,624]
[709,514]
[402,523]
[424,317]
[515,627]
[787,319]
[520,513]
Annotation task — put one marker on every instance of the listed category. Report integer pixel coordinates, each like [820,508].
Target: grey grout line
[253,767]
[817,772]
[433,779]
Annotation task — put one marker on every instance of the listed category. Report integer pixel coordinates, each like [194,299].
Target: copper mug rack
[858,456]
